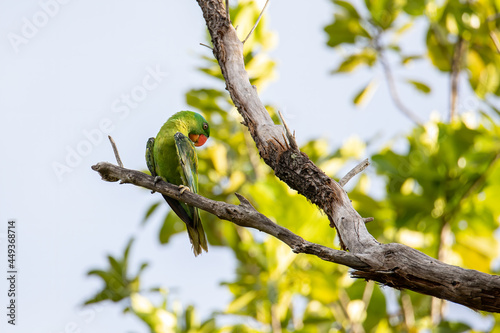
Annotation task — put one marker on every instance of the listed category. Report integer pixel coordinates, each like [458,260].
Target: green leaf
[346,27]
[116,266]
[350,9]
[414,7]
[240,302]
[366,57]
[383,12]
[404,28]
[440,51]
[118,285]
[150,211]
[420,86]
[365,94]
[405,60]
[172,225]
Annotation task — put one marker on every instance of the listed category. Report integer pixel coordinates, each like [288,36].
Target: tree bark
[395,265]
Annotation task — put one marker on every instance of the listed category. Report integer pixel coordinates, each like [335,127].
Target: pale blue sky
[70,77]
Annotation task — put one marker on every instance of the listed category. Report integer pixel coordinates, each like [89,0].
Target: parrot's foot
[183,189]
[157,179]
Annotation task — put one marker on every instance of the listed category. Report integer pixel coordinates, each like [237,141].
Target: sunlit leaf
[440,51]
[363,97]
[410,58]
[420,86]
[352,62]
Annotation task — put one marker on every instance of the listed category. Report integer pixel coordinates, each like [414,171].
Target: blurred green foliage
[372,32]
[441,193]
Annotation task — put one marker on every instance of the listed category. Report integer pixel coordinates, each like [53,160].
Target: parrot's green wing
[150,159]
[189,161]
[189,174]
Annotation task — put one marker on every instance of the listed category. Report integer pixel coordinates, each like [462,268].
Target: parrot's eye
[205,126]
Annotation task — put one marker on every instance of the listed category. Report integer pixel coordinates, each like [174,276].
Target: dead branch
[455,75]
[357,169]
[256,22]
[393,91]
[394,265]
[244,214]
[115,150]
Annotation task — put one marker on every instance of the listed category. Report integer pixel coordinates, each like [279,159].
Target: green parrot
[172,157]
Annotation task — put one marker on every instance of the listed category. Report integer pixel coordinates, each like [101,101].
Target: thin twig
[227,10]
[368,219]
[454,76]
[206,46]
[394,92]
[357,169]
[495,40]
[289,135]
[258,19]
[115,150]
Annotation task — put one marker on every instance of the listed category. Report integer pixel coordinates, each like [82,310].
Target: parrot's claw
[156,180]
[183,188]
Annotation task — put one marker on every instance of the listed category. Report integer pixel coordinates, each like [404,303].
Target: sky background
[66,82]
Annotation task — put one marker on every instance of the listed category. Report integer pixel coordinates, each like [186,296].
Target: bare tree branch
[398,266]
[290,165]
[495,40]
[256,22]
[206,46]
[115,150]
[454,76]
[395,265]
[244,214]
[393,91]
[357,169]
[389,78]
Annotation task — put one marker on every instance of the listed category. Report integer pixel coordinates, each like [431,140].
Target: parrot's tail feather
[194,227]
[197,238]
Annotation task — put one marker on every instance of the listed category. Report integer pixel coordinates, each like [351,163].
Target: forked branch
[399,269]
[244,214]
[395,265]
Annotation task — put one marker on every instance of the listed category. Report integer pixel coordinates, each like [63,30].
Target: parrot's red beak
[199,140]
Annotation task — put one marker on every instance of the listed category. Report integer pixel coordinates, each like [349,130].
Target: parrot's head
[200,131]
